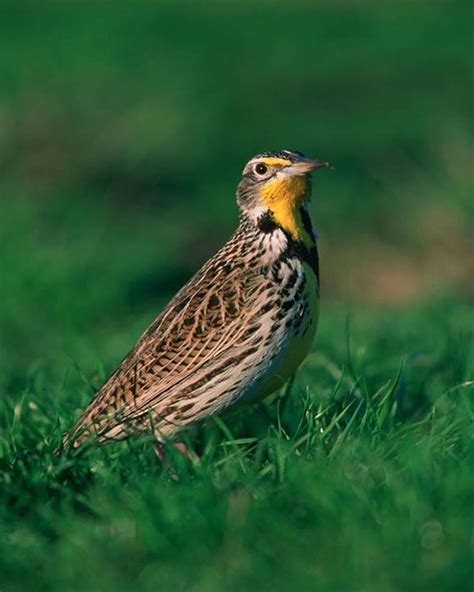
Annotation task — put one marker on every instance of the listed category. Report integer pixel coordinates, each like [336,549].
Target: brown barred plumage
[237,330]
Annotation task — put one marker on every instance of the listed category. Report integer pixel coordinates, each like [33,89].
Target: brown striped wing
[212,323]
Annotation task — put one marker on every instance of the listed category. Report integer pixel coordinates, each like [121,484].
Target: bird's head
[277,184]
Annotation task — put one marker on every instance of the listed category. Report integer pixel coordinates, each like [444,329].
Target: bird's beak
[305,165]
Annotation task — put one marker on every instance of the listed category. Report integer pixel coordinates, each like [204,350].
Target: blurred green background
[123,131]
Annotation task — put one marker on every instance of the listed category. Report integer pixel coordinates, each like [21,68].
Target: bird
[236,331]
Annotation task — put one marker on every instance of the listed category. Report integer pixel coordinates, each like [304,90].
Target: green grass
[359,478]
[122,134]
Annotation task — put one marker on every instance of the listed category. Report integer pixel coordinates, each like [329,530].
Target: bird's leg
[189,454]
[160,452]
[162,456]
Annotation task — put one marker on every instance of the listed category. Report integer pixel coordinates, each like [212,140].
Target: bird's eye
[261,168]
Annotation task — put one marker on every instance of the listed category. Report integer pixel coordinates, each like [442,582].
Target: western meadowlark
[237,330]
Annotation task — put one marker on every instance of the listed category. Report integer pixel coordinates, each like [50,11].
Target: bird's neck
[294,223]
[276,243]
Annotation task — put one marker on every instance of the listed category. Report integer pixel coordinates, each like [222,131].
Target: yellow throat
[285,198]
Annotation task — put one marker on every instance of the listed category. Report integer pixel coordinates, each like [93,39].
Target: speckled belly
[293,341]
